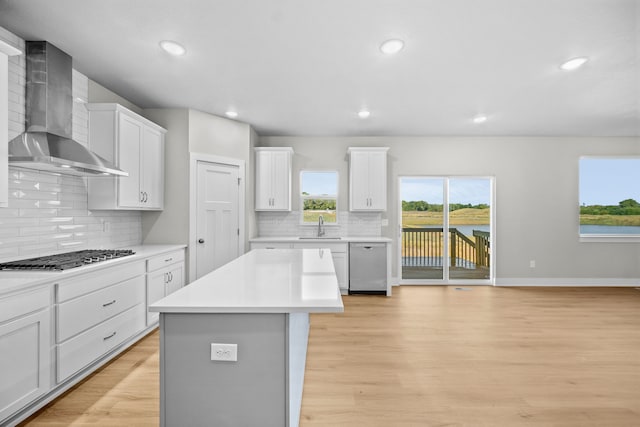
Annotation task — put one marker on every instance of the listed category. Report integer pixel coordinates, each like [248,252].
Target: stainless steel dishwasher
[367,268]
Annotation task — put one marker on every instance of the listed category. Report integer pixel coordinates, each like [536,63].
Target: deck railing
[424,247]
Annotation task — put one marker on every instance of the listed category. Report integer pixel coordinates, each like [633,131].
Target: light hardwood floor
[431,356]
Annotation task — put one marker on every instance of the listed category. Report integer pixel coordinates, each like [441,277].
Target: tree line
[422,206]
[319,205]
[625,207]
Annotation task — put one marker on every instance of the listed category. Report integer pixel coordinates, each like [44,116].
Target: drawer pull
[169,259]
[110,336]
[109,303]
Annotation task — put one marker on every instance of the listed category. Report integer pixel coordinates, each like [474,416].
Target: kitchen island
[233,343]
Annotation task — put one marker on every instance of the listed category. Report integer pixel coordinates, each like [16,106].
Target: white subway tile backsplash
[287,224]
[48,212]
[9,232]
[37,231]
[36,213]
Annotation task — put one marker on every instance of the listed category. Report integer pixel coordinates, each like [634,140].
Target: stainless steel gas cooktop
[66,260]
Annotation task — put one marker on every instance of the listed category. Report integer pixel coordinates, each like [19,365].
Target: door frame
[446,280]
[194,158]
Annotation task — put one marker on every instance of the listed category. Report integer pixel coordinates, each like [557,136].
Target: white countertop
[262,281]
[346,239]
[11,280]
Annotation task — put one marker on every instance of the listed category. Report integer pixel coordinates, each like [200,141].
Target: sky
[461,190]
[609,181]
[319,183]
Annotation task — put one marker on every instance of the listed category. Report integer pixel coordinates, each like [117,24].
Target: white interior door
[217,224]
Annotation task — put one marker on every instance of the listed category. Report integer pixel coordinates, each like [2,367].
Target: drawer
[334,247]
[165,259]
[81,350]
[90,282]
[87,311]
[19,304]
[270,245]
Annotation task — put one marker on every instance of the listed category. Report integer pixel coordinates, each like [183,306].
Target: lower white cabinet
[165,275]
[25,348]
[53,335]
[77,352]
[96,312]
[339,253]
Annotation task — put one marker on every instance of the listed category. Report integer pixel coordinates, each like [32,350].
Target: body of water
[610,229]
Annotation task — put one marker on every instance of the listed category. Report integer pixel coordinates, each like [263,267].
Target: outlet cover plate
[224,352]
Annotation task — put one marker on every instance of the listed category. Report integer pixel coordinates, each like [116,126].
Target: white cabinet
[165,275]
[6,50]
[368,178]
[341,264]
[273,178]
[339,253]
[25,348]
[135,145]
[95,313]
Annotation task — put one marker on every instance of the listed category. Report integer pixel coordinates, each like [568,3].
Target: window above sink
[318,197]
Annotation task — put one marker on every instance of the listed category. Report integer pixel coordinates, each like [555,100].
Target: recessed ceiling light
[173,48]
[574,63]
[363,114]
[392,46]
[480,118]
[232,114]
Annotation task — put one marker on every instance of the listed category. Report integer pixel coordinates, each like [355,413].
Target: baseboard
[559,282]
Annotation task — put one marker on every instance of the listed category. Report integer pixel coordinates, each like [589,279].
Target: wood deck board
[431,356]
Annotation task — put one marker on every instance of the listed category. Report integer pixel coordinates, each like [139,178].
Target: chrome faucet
[320,226]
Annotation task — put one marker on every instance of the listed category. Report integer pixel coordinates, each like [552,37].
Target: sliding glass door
[445,229]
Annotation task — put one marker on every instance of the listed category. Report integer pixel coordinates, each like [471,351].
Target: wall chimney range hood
[47,144]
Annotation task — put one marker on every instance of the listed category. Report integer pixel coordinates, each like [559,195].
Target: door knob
[200,240]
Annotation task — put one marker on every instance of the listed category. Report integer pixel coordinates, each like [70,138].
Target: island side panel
[197,391]
[297,341]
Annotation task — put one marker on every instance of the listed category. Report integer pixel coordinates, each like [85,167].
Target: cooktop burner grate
[67,260]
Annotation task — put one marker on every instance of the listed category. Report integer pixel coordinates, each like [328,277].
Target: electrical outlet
[532,263]
[224,352]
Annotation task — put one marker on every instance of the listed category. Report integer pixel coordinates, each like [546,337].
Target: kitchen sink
[319,238]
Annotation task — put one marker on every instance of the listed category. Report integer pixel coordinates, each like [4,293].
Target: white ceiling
[305,67]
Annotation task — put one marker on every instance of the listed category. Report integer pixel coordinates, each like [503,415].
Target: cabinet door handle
[146,197]
[141,197]
[109,303]
[166,278]
[170,276]
[200,240]
[110,336]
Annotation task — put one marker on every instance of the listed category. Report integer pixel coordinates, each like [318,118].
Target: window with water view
[610,197]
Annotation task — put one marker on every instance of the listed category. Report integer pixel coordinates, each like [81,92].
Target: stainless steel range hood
[47,145]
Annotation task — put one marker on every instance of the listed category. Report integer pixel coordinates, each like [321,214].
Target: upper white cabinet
[135,145]
[273,178]
[368,178]
[6,50]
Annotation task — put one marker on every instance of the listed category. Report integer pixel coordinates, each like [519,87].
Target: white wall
[536,192]
[99,93]
[209,134]
[172,224]
[191,131]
